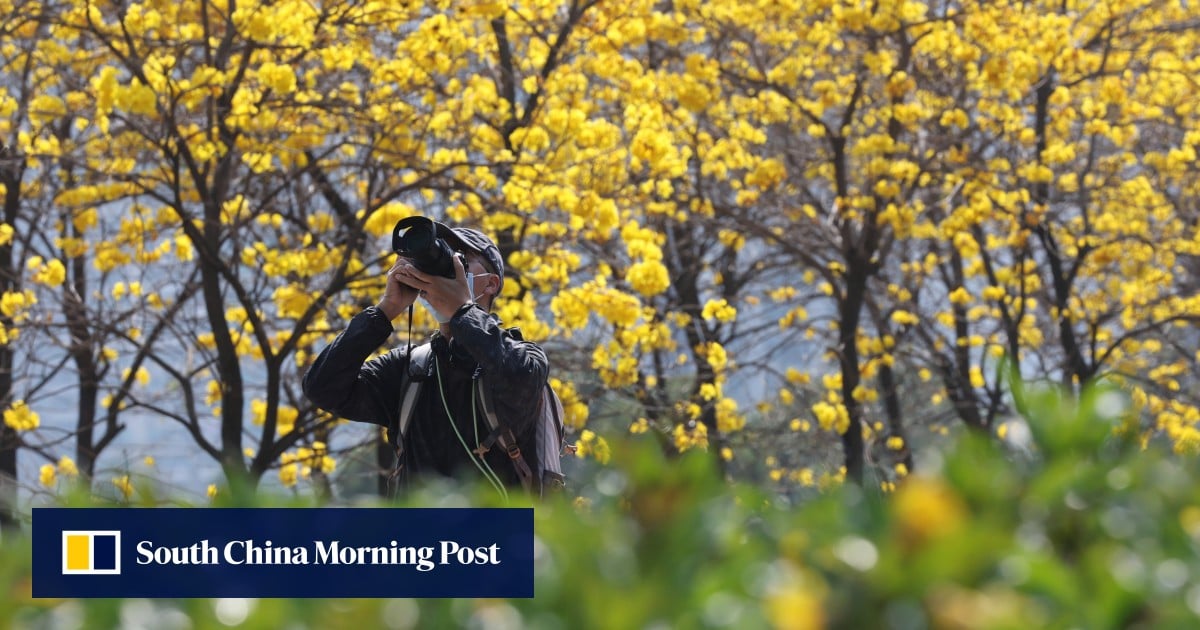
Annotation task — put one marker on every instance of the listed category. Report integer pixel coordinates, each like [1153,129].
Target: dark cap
[472,240]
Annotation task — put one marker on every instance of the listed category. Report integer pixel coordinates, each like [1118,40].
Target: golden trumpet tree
[729,222]
[987,179]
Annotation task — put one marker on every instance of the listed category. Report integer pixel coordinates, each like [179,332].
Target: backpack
[543,479]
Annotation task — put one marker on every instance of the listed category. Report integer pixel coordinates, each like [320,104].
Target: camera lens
[415,239]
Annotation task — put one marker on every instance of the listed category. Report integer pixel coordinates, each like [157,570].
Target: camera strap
[412,390]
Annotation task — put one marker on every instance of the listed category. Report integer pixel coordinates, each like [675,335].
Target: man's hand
[397,297]
[444,294]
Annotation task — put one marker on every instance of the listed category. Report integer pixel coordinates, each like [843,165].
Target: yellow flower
[51,274]
[287,474]
[719,310]
[591,444]
[926,509]
[805,477]
[728,419]
[212,490]
[715,354]
[782,294]
[66,466]
[12,303]
[795,608]
[149,461]
[976,377]
[575,411]
[291,301]
[832,417]
[993,293]
[960,296]
[904,318]
[648,277]
[123,484]
[47,475]
[20,417]
[796,377]
[691,435]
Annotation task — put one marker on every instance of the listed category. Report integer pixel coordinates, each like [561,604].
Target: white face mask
[441,318]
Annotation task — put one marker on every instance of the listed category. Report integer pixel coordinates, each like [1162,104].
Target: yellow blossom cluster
[716,356]
[15,306]
[719,310]
[648,275]
[522,313]
[51,273]
[48,474]
[573,306]
[291,301]
[575,411]
[300,464]
[381,220]
[832,417]
[804,477]
[141,376]
[19,417]
[725,408]
[689,435]
[124,486]
[548,272]
[285,415]
[617,367]
[594,446]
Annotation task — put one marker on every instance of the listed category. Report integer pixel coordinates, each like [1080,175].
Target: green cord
[475,426]
[488,474]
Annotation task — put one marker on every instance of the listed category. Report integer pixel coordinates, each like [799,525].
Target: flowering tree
[729,222]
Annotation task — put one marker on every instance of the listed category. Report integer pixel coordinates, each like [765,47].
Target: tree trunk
[12,168]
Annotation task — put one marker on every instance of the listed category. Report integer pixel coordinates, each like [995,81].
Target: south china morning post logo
[283,552]
[91,552]
[320,552]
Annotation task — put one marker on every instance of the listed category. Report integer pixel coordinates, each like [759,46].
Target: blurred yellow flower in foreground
[927,508]
[123,484]
[795,609]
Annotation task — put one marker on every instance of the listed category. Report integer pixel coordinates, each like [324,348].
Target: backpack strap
[418,369]
[553,479]
[556,410]
[504,436]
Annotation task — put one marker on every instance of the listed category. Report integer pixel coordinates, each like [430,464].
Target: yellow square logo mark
[91,552]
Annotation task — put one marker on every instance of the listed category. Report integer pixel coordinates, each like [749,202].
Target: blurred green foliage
[1065,523]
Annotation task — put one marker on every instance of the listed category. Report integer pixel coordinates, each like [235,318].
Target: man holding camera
[456,274]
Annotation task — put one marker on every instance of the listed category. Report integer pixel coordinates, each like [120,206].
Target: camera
[416,239]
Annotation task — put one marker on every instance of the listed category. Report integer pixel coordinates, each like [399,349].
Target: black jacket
[344,383]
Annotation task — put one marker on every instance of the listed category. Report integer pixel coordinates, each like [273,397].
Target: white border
[91,534]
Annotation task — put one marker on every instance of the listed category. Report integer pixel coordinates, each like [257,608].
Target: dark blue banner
[282,552]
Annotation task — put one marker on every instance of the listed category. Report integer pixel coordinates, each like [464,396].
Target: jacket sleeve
[516,369]
[341,380]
